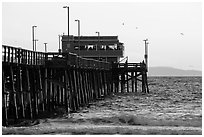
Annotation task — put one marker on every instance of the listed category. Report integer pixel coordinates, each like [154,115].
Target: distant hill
[169,71]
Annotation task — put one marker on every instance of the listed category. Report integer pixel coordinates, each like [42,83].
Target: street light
[78,35]
[35,41]
[78,27]
[59,43]
[68,24]
[45,47]
[146,52]
[33,37]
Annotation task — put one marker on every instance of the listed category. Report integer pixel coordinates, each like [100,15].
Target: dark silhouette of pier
[37,82]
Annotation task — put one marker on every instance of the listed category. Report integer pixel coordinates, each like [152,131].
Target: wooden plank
[67,91]
[26,57]
[86,84]
[18,56]
[106,83]
[29,93]
[55,96]
[101,83]
[76,99]
[95,85]
[62,91]
[92,82]
[136,81]
[85,91]
[87,87]
[20,90]
[83,81]
[45,87]
[57,91]
[122,82]
[72,91]
[127,80]
[143,83]
[34,58]
[79,88]
[89,81]
[31,57]
[12,55]
[35,90]
[53,90]
[41,90]
[98,84]
[12,100]
[5,54]
[5,94]
[132,76]
[50,92]
[9,54]
[83,87]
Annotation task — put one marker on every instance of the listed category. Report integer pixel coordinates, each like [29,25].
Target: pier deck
[35,82]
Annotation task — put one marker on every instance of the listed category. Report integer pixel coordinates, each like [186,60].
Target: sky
[174,29]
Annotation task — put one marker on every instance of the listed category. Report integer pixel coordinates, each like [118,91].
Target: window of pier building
[98,47]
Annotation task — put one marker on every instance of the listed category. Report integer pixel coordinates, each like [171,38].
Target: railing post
[12,55]
[4,54]
[8,54]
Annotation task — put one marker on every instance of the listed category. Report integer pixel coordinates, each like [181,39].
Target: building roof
[113,39]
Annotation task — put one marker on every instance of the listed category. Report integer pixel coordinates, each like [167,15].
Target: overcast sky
[174,30]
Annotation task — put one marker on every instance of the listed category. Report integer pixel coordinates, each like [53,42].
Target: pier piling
[37,82]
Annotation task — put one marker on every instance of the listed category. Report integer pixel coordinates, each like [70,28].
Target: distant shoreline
[170,71]
[171,76]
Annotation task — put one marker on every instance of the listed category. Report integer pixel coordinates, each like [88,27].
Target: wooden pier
[127,75]
[35,82]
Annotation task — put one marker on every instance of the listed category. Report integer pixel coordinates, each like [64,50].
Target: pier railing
[37,82]
[22,56]
[131,65]
[27,57]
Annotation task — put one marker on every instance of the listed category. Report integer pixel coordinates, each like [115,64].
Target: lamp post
[78,35]
[59,44]
[45,47]
[98,45]
[68,24]
[146,52]
[33,37]
[35,41]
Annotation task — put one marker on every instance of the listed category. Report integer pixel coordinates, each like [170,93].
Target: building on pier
[104,48]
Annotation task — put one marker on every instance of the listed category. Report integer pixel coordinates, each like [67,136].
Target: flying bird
[181,33]
[123,23]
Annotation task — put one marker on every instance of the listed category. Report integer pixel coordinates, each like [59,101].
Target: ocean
[173,106]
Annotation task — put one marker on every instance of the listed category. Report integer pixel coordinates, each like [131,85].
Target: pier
[35,82]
